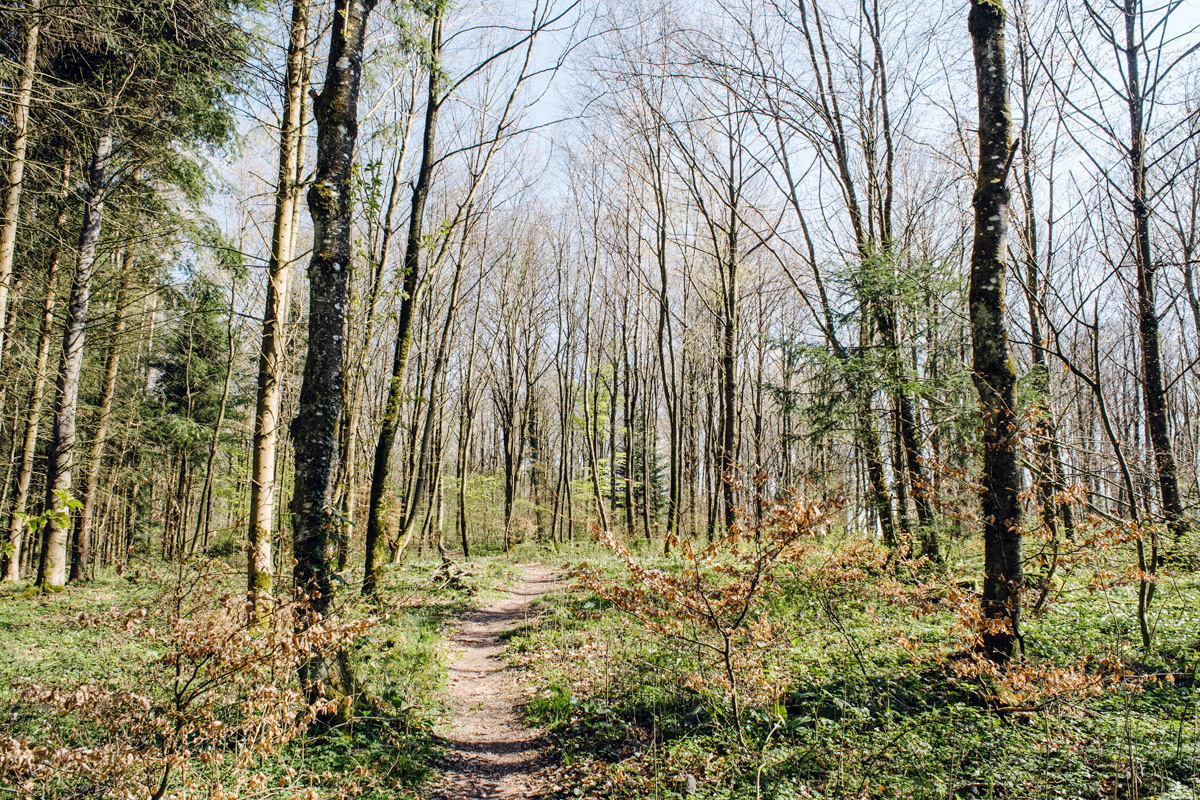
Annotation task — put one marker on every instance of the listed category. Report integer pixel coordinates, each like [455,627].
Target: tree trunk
[351,398]
[37,392]
[271,355]
[591,414]
[81,535]
[464,441]
[16,165]
[440,501]
[648,481]
[7,378]
[465,424]
[314,430]
[381,467]
[907,429]
[52,566]
[665,342]
[629,400]
[1154,390]
[729,424]
[995,373]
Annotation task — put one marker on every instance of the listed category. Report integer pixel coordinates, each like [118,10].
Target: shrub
[203,718]
[712,599]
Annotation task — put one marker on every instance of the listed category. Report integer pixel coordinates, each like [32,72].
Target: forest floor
[529,681]
[490,752]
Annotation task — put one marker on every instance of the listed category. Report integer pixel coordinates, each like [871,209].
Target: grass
[387,751]
[856,696]
[41,635]
[856,688]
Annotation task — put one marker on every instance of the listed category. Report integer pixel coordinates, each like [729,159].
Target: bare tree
[271,354]
[994,368]
[1145,47]
[314,430]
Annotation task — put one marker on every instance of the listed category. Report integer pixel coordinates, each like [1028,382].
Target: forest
[729,399]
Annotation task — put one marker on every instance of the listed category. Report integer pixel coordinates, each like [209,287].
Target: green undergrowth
[65,640]
[857,694]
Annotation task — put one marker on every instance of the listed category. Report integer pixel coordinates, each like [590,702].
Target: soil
[489,752]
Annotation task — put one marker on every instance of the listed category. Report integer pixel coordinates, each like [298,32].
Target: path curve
[490,753]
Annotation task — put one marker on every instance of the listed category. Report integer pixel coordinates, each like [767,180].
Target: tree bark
[995,373]
[81,535]
[52,565]
[314,430]
[271,355]
[16,164]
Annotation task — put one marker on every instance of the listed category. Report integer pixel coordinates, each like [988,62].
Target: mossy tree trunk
[995,373]
[381,468]
[314,430]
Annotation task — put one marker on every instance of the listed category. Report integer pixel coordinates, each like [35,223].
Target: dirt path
[490,753]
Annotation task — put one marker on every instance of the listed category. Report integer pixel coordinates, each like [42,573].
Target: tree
[1154,387]
[1049,476]
[279,269]
[141,109]
[376,535]
[995,372]
[1128,56]
[52,565]
[854,144]
[81,534]
[189,397]
[16,163]
[37,394]
[314,430]
[498,115]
